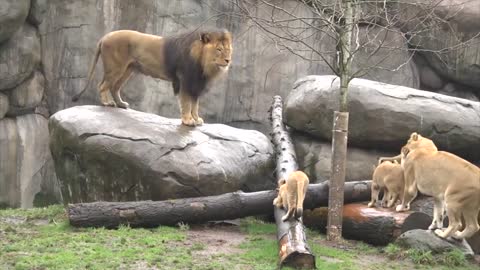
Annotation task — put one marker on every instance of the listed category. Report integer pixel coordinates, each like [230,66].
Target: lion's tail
[90,73]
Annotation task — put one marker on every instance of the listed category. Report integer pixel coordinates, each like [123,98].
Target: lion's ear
[205,37]
[281,181]
[414,136]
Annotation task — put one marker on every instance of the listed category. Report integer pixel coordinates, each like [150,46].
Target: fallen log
[376,226]
[292,240]
[198,210]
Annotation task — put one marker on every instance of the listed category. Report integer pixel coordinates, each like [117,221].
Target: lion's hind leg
[115,91]
[454,220]
[104,88]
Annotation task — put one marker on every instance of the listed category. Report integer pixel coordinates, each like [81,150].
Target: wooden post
[337,179]
[292,243]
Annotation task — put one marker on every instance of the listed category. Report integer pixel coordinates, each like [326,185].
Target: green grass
[57,245]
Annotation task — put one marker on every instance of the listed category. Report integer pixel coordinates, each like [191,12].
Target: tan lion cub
[389,177]
[291,194]
[453,182]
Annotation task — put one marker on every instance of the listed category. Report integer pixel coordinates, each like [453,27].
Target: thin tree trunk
[292,241]
[340,126]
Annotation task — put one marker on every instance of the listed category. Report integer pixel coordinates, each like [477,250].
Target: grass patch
[56,245]
[454,258]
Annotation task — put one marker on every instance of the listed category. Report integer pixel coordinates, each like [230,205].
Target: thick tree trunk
[376,226]
[198,210]
[292,241]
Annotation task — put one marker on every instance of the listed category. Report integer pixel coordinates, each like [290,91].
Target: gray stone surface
[259,69]
[383,116]
[3,105]
[38,9]
[428,241]
[27,174]
[112,154]
[19,56]
[12,15]
[456,23]
[28,94]
[314,158]
[391,62]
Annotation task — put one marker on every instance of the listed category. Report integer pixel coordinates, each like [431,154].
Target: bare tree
[366,36]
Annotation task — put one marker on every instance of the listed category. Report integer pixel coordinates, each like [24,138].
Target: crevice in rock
[88,135]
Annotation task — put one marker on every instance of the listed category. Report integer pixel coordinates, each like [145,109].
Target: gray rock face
[460,24]
[27,175]
[3,105]
[259,70]
[427,240]
[38,8]
[383,115]
[113,154]
[12,16]
[29,93]
[376,67]
[314,158]
[18,57]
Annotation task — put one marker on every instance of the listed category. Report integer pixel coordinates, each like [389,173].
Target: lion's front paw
[198,121]
[400,208]
[371,204]
[440,233]
[285,218]
[432,226]
[188,121]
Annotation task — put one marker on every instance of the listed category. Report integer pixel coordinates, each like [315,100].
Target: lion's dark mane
[180,62]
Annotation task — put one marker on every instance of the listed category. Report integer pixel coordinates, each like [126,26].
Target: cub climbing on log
[388,176]
[453,182]
[190,61]
[291,194]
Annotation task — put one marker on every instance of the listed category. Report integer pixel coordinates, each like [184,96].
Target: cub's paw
[285,218]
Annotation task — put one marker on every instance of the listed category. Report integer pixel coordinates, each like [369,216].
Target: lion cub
[389,177]
[453,182]
[291,194]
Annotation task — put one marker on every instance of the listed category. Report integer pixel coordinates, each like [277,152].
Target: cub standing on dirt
[389,177]
[453,182]
[291,194]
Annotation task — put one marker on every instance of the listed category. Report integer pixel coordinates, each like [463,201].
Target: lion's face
[217,52]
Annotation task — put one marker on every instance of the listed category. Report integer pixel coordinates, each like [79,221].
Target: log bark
[376,226]
[292,240]
[198,210]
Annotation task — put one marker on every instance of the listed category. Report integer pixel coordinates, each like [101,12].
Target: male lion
[291,194]
[453,182]
[190,61]
[389,177]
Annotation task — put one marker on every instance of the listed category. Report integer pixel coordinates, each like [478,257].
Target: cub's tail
[90,73]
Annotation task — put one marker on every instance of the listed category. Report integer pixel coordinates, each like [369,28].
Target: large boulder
[12,16]
[112,154]
[19,56]
[315,159]
[27,174]
[383,115]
